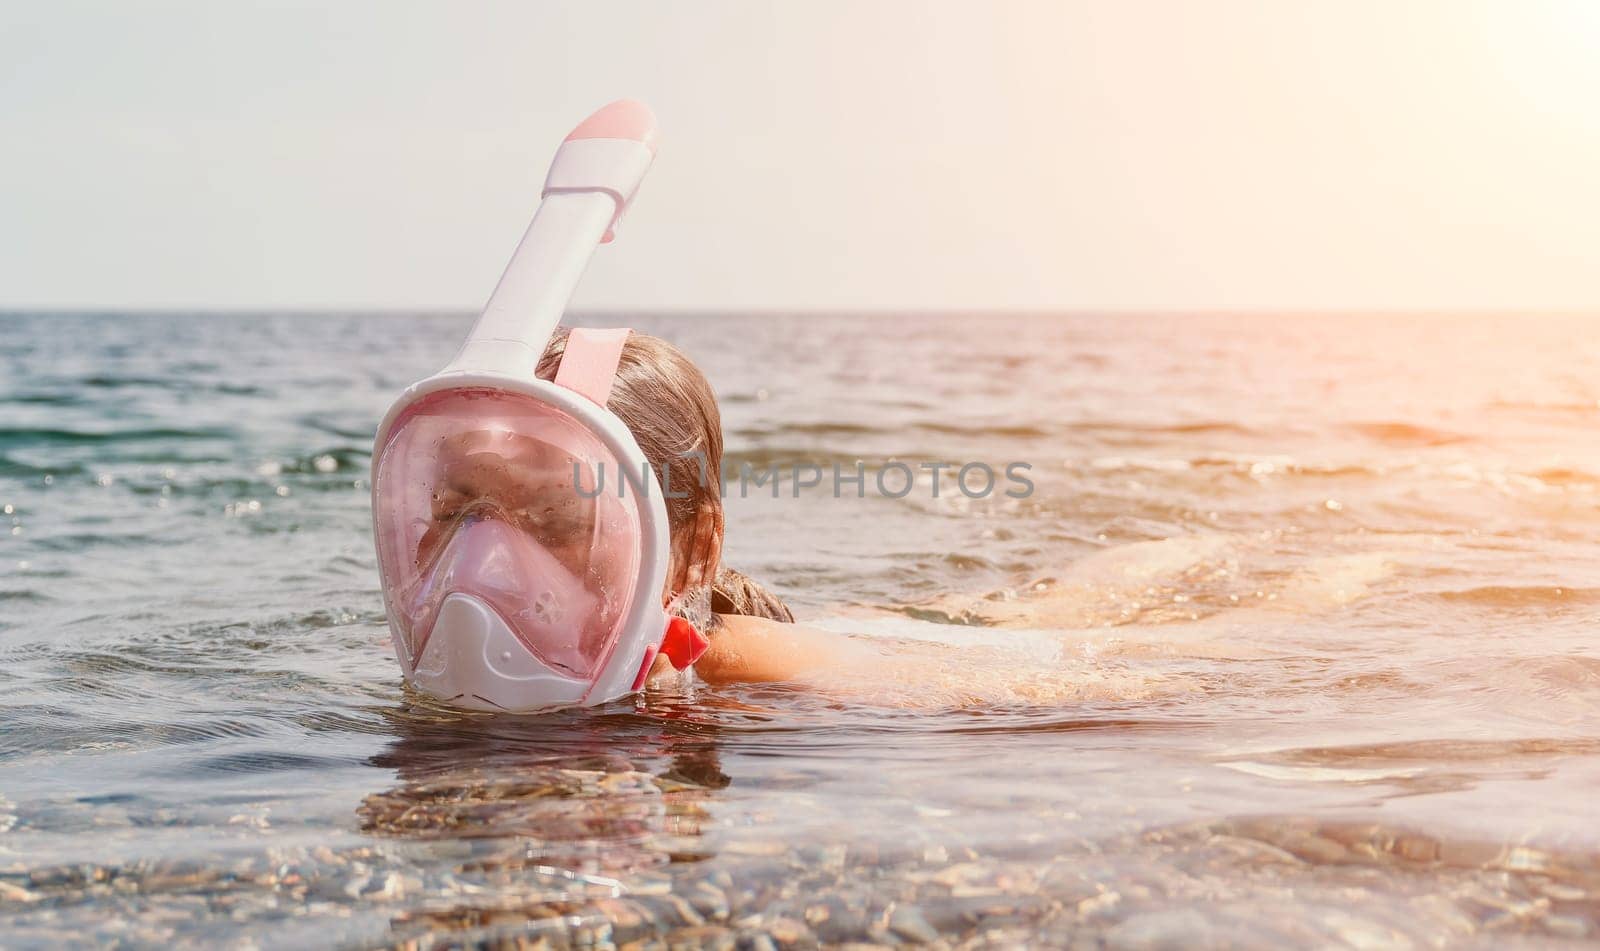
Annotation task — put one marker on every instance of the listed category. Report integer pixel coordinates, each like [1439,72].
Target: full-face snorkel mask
[522,537]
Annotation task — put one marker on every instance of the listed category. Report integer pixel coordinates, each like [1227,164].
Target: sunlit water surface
[1293,643]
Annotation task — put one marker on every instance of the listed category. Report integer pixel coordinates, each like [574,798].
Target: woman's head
[667,403]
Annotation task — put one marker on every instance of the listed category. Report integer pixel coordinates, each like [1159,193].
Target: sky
[825,154]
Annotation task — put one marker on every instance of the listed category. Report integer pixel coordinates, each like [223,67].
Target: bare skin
[909,674]
[754,649]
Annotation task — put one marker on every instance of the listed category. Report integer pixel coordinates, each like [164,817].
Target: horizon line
[732,312]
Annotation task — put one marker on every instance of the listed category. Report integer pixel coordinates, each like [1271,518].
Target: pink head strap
[589,364]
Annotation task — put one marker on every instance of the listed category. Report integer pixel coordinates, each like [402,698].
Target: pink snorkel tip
[623,119]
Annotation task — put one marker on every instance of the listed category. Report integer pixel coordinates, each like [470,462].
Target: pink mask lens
[510,500]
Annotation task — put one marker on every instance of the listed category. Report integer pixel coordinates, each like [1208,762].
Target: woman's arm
[757,650]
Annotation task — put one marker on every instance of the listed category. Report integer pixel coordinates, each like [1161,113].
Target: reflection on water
[1294,645]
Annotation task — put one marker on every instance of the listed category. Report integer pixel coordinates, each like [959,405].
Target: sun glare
[1550,52]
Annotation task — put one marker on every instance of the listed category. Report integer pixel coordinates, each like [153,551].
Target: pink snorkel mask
[522,538]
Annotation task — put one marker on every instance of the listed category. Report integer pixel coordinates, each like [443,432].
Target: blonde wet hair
[669,406]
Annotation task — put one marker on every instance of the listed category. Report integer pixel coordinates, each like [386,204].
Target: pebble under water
[1294,643]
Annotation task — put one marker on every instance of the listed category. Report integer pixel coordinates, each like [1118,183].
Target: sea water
[1295,641]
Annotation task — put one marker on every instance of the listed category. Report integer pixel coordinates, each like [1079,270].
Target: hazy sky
[857,154]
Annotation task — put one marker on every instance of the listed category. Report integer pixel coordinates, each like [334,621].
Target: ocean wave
[39,436]
[1556,407]
[269,761]
[1396,433]
[179,382]
[44,399]
[1522,596]
[1566,476]
[1193,428]
[11,466]
[1282,466]
[318,422]
[939,428]
[1318,841]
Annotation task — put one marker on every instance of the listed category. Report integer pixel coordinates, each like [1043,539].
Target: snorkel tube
[591,182]
[507,584]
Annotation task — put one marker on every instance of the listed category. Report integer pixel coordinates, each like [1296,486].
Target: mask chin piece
[473,660]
